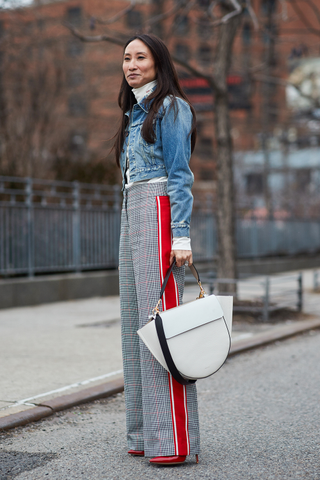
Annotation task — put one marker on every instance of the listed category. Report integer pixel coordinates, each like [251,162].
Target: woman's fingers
[182,257]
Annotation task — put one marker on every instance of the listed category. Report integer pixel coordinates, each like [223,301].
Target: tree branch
[93,38]
[211,8]
[270,79]
[252,14]
[224,50]
[116,41]
[284,10]
[237,11]
[188,6]
[165,15]
[314,8]
[196,71]
[185,10]
[256,68]
[116,17]
[304,19]
[285,83]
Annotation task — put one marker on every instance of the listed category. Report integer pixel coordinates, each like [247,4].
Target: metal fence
[316,280]
[256,238]
[258,295]
[57,226]
[53,226]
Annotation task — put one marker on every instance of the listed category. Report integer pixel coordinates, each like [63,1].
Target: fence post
[76,227]
[300,293]
[30,237]
[209,227]
[254,237]
[117,197]
[266,300]
[211,279]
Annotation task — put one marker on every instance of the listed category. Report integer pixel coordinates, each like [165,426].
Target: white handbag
[193,340]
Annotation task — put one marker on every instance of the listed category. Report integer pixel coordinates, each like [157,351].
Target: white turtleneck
[178,243]
[144,91]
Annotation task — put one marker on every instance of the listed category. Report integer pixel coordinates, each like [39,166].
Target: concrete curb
[116,386]
[38,290]
[61,403]
[274,334]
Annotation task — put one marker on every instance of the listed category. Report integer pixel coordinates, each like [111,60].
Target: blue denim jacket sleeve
[176,144]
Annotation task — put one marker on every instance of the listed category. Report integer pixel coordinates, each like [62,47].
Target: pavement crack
[44,405]
[101,324]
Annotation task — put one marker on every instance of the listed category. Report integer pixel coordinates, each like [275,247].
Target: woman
[153,148]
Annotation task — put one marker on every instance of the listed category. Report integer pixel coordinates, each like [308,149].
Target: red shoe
[138,453]
[176,460]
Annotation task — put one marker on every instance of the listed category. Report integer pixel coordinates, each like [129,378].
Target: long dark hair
[167,84]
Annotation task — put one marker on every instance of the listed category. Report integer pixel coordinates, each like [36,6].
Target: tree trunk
[268,92]
[226,264]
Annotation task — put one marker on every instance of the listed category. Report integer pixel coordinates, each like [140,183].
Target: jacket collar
[142,103]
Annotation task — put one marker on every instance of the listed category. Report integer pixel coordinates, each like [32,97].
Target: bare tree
[301,80]
[224,16]
[31,82]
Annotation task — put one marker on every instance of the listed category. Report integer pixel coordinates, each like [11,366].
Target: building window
[206,174]
[29,52]
[28,28]
[204,3]
[75,48]
[181,25]
[204,29]
[134,19]
[204,54]
[204,148]
[246,33]
[158,29]
[75,78]
[269,32]
[1,28]
[254,183]
[74,16]
[77,105]
[182,52]
[40,24]
[303,179]
[268,6]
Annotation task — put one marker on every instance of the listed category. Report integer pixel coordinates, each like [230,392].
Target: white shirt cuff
[181,243]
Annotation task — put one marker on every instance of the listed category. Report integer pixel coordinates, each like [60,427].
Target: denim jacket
[168,156]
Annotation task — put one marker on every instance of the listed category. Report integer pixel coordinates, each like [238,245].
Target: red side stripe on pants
[170,299]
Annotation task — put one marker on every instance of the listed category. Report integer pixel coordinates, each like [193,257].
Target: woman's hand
[182,257]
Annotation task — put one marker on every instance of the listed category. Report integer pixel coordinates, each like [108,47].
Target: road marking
[62,389]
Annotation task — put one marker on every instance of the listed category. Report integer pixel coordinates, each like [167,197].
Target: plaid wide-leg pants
[161,414]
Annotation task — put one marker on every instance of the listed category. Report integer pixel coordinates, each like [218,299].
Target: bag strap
[167,355]
[194,272]
[159,326]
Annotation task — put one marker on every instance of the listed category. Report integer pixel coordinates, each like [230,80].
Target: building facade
[59,94]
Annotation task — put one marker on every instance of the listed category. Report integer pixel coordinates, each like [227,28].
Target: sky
[14,3]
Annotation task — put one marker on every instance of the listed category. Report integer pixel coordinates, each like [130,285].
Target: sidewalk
[59,349]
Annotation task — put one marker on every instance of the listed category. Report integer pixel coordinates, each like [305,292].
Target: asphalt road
[260,419]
